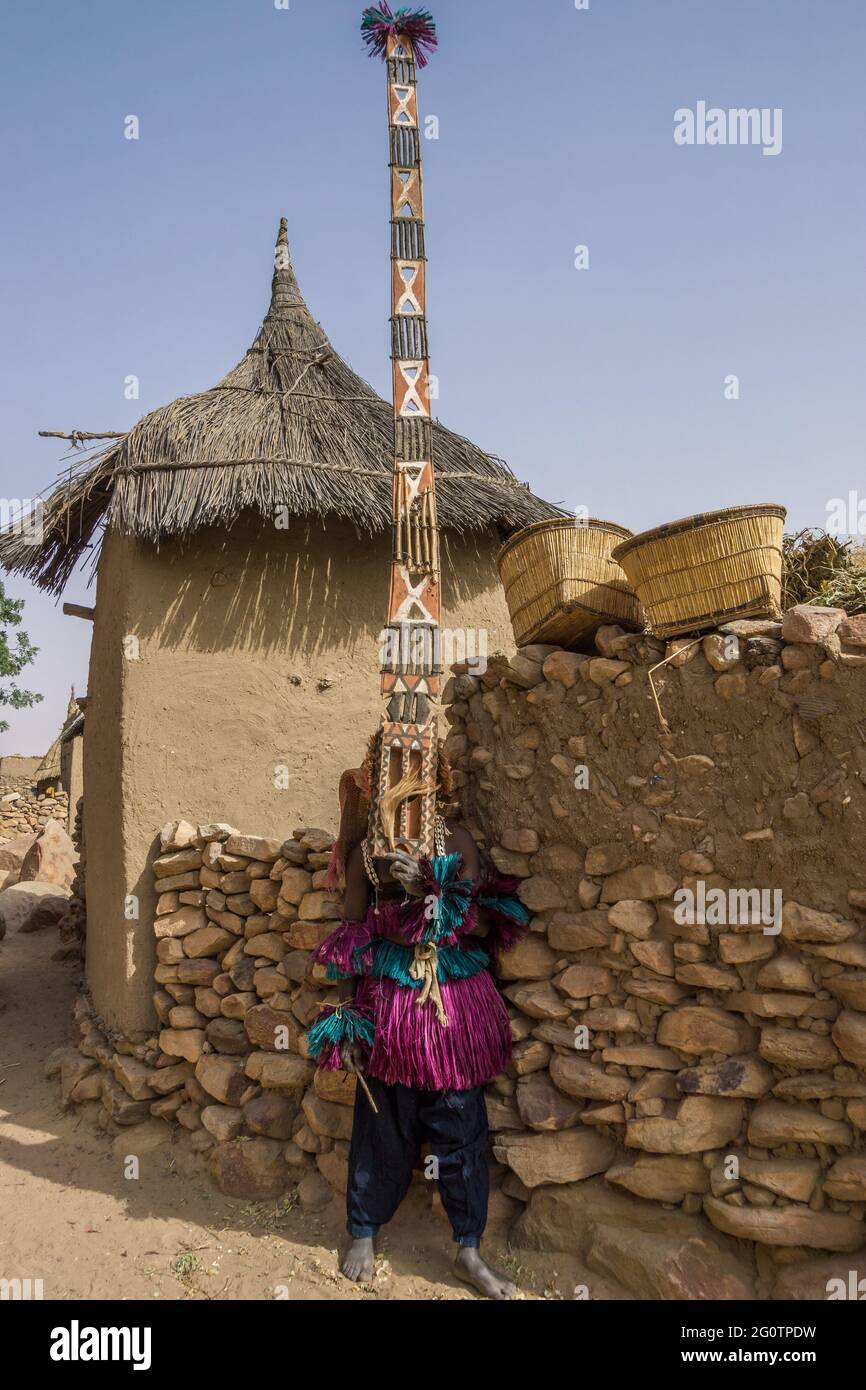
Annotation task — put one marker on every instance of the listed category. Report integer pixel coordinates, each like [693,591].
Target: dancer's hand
[407,873]
[352,1057]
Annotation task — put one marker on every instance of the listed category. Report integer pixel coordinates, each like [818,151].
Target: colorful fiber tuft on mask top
[379,23]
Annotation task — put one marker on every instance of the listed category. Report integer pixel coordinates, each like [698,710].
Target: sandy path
[71,1218]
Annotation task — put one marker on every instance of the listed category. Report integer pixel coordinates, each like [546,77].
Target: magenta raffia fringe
[504,930]
[333,1061]
[503,934]
[413,1048]
[339,948]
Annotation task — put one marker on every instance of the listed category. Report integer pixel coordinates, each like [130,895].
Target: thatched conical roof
[50,765]
[291,427]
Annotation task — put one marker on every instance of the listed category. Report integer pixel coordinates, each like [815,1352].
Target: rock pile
[22,811]
[36,873]
[237,919]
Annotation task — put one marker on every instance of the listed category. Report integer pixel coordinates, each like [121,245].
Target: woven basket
[561,584]
[704,570]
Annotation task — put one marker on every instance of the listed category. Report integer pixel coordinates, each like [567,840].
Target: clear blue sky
[601,388]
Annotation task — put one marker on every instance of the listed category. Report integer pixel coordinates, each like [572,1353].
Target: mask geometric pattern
[410,275]
[410,673]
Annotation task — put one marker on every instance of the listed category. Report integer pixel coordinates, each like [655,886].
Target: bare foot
[470,1267]
[357,1263]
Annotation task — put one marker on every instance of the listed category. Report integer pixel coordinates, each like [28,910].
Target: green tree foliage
[15,653]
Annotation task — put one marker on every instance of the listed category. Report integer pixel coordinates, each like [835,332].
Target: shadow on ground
[72,1219]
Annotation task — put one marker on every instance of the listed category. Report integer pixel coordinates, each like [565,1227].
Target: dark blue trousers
[386,1147]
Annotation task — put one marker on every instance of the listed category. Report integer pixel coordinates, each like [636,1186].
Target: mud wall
[694,1053]
[17,772]
[72,774]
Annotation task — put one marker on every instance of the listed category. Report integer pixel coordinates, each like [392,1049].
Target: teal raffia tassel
[505,907]
[337,1025]
[448,906]
[393,961]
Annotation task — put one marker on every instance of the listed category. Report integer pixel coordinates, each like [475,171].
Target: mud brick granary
[242,537]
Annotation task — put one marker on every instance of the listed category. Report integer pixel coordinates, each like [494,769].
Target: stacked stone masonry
[686,1106]
[22,811]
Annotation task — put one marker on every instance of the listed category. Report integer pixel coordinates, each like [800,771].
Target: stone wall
[656,1043]
[236,920]
[686,1106]
[23,813]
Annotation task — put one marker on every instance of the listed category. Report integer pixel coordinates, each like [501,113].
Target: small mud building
[243,541]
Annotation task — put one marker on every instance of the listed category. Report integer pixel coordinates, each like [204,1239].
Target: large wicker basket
[704,570]
[561,584]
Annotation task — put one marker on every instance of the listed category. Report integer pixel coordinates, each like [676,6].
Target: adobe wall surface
[72,771]
[255,684]
[116,954]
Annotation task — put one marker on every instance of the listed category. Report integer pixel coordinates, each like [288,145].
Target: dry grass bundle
[847,589]
[810,558]
[290,429]
[823,569]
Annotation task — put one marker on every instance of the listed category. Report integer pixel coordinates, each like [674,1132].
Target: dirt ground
[71,1218]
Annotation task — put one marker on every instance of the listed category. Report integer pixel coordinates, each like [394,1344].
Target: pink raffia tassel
[333,1061]
[413,1048]
[379,23]
[339,948]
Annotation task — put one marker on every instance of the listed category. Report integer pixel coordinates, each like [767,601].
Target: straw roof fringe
[291,427]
